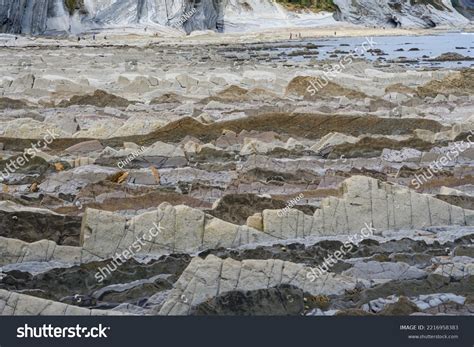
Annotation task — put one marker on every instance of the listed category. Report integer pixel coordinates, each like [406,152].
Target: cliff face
[465,7]
[192,15]
[24,16]
[399,13]
[40,16]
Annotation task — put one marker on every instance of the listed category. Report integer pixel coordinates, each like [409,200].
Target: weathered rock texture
[208,278]
[173,152]
[32,224]
[40,16]
[367,201]
[465,7]
[400,13]
[14,304]
[168,229]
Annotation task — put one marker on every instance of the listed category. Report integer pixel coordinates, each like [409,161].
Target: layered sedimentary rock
[366,201]
[212,282]
[217,158]
[205,279]
[24,16]
[34,224]
[465,7]
[16,251]
[168,229]
[36,17]
[14,304]
[400,13]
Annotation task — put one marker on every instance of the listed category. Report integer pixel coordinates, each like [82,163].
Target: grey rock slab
[388,270]
[205,279]
[165,230]
[15,304]
[367,201]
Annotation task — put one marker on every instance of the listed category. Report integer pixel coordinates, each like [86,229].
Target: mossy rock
[317,301]
[75,5]
[313,5]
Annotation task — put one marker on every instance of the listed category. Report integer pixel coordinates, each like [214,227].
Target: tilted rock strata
[34,224]
[367,201]
[207,278]
[40,16]
[15,304]
[166,230]
[399,13]
[15,251]
[177,131]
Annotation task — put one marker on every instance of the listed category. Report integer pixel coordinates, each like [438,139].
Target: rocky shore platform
[229,178]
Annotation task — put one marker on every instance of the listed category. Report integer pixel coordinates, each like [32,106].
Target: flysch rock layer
[170,229]
[222,149]
[206,278]
[15,251]
[15,304]
[34,224]
[397,13]
[367,201]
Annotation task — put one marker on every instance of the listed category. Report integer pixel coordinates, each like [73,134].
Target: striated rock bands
[199,176]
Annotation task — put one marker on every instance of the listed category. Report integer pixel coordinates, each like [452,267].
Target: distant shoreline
[116,37]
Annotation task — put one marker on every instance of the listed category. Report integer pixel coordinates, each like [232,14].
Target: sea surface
[415,51]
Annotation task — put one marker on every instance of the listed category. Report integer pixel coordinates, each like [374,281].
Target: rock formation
[199,177]
[400,13]
[14,304]
[76,16]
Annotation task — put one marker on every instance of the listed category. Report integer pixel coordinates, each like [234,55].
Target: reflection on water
[415,49]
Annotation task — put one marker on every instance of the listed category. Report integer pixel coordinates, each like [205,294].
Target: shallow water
[429,46]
